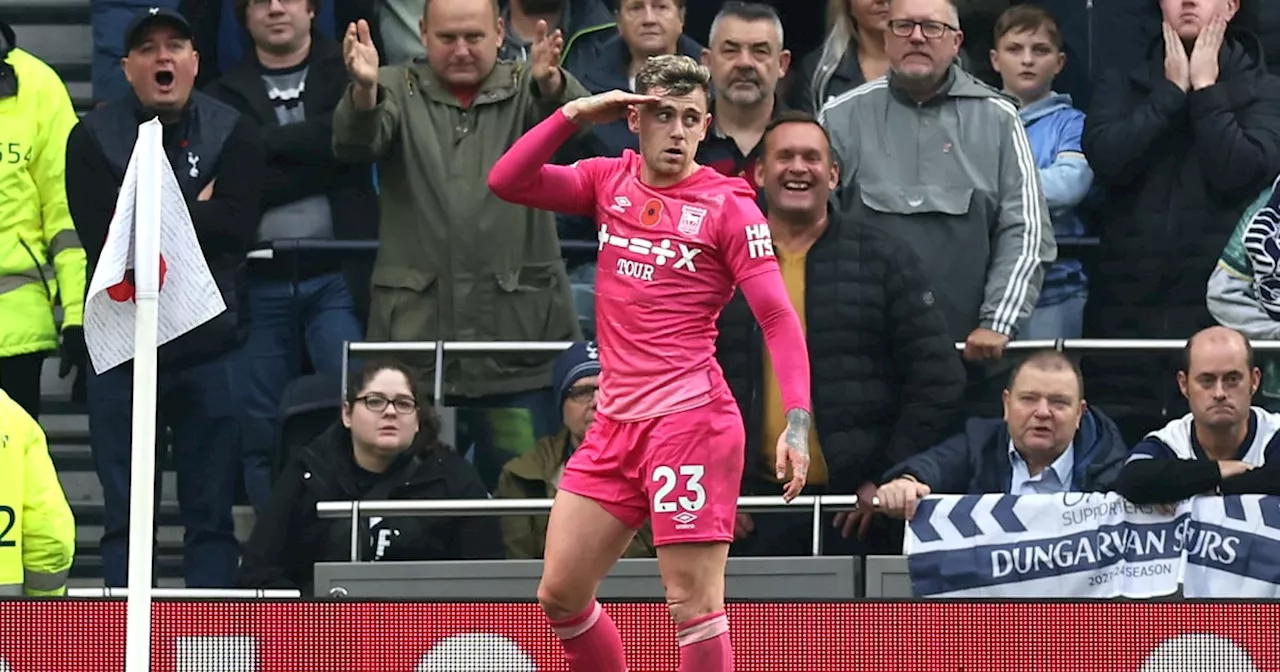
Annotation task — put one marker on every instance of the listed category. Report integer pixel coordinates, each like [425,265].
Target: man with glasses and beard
[949,169]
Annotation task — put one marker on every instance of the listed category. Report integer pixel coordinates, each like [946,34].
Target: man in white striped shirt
[935,156]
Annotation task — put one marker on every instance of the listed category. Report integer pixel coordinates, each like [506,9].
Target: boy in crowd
[1028,56]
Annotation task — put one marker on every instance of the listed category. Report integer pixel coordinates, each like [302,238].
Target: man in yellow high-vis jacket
[41,259]
[37,530]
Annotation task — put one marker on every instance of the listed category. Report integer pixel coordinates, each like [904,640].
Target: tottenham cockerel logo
[1262,244]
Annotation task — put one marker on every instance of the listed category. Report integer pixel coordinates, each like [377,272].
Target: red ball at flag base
[124,290]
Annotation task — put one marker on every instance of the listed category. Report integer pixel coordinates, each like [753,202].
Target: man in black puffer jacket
[887,380]
[1183,144]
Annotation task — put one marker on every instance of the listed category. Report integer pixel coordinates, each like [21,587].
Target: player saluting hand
[668,442]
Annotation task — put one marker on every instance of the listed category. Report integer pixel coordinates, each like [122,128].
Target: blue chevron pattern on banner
[1094,545]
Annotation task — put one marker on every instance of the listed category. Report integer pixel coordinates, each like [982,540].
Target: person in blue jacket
[1050,441]
[1029,56]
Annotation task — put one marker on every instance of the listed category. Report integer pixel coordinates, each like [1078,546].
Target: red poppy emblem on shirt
[651,213]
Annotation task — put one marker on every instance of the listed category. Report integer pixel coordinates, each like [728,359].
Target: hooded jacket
[1263,18]
[954,178]
[1179,169]
[41,259]
[289,538]
[976,461]
[1054,128]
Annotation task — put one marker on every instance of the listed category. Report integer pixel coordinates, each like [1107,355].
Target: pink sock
[591,641]
[704,644]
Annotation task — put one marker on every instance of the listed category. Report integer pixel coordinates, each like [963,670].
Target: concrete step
[62,12]
[91,513]
[168,566]
[72,457]
[168,539]
[84,486]
[66,428]
[56,42]
[82,582]
[89,518]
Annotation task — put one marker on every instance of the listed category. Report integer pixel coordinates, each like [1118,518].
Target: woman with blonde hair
[852,54]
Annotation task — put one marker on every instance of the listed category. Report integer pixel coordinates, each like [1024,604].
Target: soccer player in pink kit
[668,441]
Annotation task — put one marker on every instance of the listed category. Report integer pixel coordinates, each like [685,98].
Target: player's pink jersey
[669,260]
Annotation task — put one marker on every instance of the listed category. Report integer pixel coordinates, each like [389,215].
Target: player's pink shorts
[683,471]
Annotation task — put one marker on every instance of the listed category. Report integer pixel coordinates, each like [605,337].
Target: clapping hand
[544,60]
[359,54]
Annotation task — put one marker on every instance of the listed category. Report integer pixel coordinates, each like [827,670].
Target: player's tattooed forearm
[798,424]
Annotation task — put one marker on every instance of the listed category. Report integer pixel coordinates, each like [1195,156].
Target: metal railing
[302,246]
[193,593]
[514,347]
[525,507]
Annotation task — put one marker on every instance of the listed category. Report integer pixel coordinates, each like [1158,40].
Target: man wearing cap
[536,474]
[217,158]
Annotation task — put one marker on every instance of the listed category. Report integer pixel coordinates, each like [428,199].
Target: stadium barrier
[193,593]
[506,507]
[439,348]
[295,247]
[748,579]
[810,636]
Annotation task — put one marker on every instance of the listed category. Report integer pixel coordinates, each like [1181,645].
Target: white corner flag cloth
[188,296]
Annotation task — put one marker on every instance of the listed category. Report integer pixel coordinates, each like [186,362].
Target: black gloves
[74,353]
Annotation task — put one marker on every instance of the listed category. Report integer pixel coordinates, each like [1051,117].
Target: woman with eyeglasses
[386,446]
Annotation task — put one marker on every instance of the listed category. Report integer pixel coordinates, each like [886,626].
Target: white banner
[1093,545]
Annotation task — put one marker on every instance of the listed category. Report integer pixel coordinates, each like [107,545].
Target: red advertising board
[89,636]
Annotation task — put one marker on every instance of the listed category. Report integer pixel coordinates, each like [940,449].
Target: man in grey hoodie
[939,158]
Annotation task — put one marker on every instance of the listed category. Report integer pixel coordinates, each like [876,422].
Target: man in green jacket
[454,262]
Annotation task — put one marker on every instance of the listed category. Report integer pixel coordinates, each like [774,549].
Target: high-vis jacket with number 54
[37,530]
[40,252]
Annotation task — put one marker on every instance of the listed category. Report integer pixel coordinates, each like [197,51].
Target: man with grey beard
[747,61]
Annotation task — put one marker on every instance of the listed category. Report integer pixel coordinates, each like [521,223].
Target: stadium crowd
[917,174]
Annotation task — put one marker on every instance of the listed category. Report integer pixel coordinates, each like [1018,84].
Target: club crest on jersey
[691,218]
[651,214]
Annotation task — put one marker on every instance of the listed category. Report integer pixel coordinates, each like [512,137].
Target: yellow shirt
[775,421]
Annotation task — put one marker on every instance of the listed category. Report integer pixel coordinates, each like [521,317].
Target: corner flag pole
[146,269]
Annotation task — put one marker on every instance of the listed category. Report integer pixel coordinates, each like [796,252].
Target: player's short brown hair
[675,74]
[1028,18]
